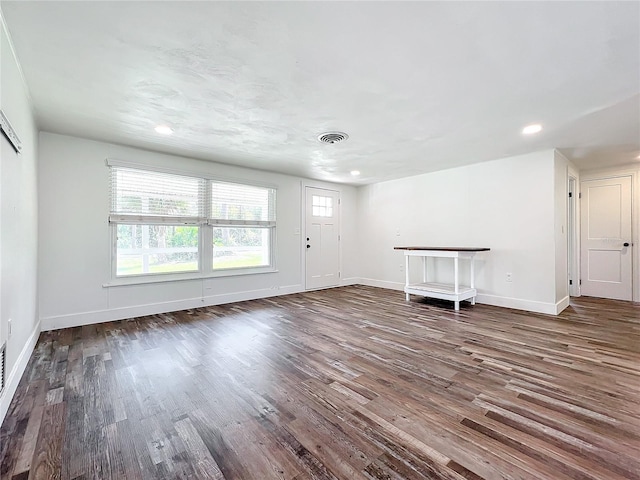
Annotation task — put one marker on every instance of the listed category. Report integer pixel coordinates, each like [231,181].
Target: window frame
[114,253]
[271,234]
[205,226]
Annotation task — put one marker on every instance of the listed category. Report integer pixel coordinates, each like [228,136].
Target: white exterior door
[322,232]
[606,253]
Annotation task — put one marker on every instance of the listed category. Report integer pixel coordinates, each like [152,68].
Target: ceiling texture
[417,86]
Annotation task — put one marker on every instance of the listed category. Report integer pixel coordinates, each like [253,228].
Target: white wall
[507,205]
[18,223]
[75,244]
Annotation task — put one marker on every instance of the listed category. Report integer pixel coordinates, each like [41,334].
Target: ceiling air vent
[332,137]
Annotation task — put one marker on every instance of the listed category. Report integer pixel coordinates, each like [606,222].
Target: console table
[455,292]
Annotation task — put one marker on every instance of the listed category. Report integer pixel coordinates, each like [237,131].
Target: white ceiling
[418,86]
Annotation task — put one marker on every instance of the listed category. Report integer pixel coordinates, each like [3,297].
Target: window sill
[163,278]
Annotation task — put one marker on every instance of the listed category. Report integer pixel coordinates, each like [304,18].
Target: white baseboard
[562,304]
[108,315]
[16,372]
[56,322]
[506,302]
[518,304]
[370,282]
[251,295]
[350,281]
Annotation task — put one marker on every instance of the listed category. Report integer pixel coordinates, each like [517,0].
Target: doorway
[606,250]
[573,247]
[322,234]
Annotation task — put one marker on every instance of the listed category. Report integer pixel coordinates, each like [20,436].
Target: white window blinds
[140,196]
[235,204]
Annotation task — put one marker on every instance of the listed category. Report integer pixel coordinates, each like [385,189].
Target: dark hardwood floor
[348,383]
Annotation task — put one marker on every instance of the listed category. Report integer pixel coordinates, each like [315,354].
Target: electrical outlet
[509,278]
[402,267]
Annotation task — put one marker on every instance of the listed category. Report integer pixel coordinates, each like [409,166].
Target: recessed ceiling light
[164,130]
[355,173]
[531,129]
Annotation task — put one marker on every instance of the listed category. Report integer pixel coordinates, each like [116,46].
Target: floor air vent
[3,363]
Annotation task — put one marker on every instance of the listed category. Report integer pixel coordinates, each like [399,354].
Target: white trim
[17,371]
[241,223]
[562,304]
[370,282]
[186,172]
[178,277]
[609,172]
[56,322]
[303,233]
[349,281]
[316,289]
[518,304]
[573,172]
[156,220]
[506,302]
[252,295]
[573,233]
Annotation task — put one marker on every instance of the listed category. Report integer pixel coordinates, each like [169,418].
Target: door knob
[625,244]
[308,246]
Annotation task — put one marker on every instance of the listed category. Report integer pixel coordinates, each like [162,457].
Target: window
[161,223]
[243,218]
[321,206]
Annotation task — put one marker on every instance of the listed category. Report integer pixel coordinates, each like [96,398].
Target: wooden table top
[446,249]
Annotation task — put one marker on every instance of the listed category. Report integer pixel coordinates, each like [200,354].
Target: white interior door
[606,253]
[322,231]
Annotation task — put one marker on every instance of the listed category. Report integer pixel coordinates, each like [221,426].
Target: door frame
[632,171]
[303,222]
[573,233]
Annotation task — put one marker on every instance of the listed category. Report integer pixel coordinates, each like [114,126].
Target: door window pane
[321,206]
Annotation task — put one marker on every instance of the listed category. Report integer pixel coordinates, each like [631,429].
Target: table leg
[473,275]
[455,275]
[473,280]
[424,269]
[406,276]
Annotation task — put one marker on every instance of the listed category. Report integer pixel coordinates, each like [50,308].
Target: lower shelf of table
[442,291]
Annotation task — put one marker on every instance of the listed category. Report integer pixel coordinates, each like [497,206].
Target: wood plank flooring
[348,383]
